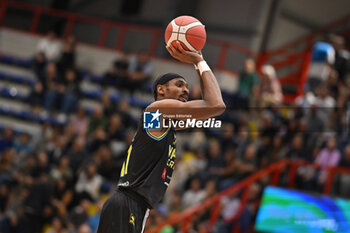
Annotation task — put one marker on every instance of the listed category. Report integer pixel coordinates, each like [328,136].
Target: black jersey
[149,165]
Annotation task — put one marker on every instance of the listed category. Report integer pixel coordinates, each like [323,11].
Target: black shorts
[123,213]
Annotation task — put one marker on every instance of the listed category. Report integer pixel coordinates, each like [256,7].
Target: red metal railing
[273,173]
[282,58]
[107,25]
[297,54]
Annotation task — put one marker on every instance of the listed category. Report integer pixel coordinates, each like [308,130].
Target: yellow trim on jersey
[159,137]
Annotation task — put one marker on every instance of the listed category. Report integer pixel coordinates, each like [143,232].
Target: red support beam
[3,9]
[35,21]
[215,212]
[186,224]
[154,44]
[70,25]
[223,55]
[103,34]
[120,39]
[329,182]
[292,175]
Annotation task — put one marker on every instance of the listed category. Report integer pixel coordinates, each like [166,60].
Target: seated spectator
[296,151]
[80,122]
[77,154]
[84,228]
[50,47]
[36,97]
[270,87]
[79,215]
[62,170]
[39,64]
[248,164]
[194,195]
[57,226]
[89,182]
[7,140]
[50,84]
[328,157]
[67,59]
[118,72]
[108,106]
[23,146]
[115,128]
[98,119]
[215,160]
[140,71]
[248,87]
[123,110]
[69,90]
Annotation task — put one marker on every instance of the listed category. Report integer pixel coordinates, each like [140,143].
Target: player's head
[170,86]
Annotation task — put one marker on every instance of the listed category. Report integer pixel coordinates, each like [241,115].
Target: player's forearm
[211,92]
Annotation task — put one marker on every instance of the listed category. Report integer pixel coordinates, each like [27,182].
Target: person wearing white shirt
[50,47]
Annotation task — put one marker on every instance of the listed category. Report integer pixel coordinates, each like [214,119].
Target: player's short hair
[163,79]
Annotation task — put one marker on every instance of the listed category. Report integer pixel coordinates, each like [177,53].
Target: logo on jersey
[132,219]
[151,120]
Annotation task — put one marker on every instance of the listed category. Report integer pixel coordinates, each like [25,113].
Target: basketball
[189,31]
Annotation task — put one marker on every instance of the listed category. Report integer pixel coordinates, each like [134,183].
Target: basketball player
[148,168]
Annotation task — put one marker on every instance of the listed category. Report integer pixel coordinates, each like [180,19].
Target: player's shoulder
[165,103]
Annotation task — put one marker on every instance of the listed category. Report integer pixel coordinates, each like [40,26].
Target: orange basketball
[189,31]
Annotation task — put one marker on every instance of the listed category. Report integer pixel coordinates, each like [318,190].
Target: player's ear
[161,90]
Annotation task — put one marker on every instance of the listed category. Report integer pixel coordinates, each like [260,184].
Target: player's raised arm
[211,103]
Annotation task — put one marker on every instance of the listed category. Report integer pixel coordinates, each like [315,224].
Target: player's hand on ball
[183,55]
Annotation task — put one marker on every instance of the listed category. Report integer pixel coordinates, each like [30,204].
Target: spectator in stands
[106,166]
[270,88]
[79,215]
[50,84]
[97,120]
[248,164]
[89,183]
[140,72]
[80,122]
[297,150]
[323,56]
[342,57]
[69,92]
[248,87]
[77,154]
[39,64]
[84,228]
[118,72]
[123,110]
[62,170]
[227,173]
[56,226]
[7,140]
[194,195]
[36,97]
[62,196]
[67,59]
[227,138]
[108,106]
[23,146]
[50,46]
[215,159]
[328,157]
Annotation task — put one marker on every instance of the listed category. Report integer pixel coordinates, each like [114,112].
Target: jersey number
[124,170]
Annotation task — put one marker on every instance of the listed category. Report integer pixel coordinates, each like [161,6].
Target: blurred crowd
[57,182]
